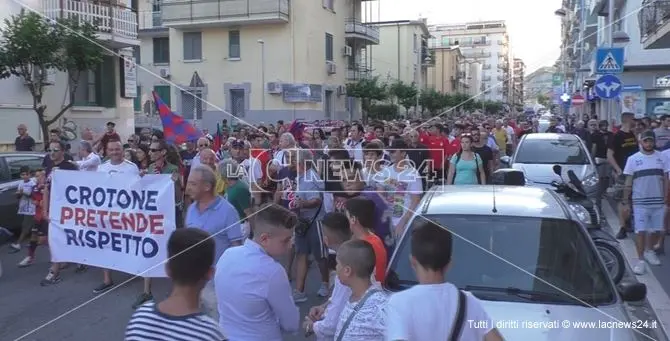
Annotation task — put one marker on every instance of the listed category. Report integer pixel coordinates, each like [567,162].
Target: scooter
[574,193]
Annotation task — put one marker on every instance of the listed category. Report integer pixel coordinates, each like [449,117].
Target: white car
[528,260]
[536,154]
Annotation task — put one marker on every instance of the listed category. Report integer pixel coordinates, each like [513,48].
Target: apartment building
[485,42]
[539,83]
[446,72]
[402,52]
[104,94]
[519,72]
[255,60]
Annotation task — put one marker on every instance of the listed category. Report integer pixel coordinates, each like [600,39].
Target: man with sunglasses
[57,156]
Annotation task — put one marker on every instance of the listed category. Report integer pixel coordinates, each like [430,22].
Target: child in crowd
[40,226]
[26,210]
[178,317]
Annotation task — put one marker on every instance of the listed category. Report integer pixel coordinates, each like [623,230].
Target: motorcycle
[605,243]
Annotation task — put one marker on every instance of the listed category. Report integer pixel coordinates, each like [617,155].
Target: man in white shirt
[89,160]
[435,309]
[116,164]
[354,144]
[254,295]
[203,143]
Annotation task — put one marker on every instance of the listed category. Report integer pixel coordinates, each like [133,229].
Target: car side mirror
[505,160]
[558,170]
[632,291]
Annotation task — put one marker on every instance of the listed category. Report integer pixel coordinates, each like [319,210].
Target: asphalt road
[69,310]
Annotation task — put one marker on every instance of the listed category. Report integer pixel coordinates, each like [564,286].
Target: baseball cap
[648,135]
[627,113]
[398,144]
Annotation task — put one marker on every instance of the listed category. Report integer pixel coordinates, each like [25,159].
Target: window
[137,101]
[328,104]
[237,102]
[156,5]
[161,50]
[329,4]
[136,55]
[15,163]
[97,87]
[191,104]
[192,46]
[556,251]
[163,91]
[415,43]
[234,44]
[329,47]
[551,151]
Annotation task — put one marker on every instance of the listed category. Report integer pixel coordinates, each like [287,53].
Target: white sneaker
[16,246]
[640,268]
[323,291]
[28,261]
[651,257]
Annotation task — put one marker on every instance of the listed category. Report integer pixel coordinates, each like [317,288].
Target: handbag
[304,224]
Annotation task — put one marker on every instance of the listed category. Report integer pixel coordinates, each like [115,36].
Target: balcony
[356,73]
[486,67]
[654,20]
[486,78]
[116,25]
[477,54]
[151,22]
[221,13]
[355,29]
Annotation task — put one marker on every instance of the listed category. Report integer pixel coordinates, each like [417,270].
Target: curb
[657,298]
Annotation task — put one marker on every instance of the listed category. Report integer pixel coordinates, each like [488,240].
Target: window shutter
[163,91]
[137,101]
[107,82]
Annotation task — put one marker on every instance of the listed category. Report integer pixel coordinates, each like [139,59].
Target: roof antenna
[493,188]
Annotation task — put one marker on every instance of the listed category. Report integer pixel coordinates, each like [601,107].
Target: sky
[533,28]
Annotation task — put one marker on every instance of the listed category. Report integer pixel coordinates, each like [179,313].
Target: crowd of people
[339,196]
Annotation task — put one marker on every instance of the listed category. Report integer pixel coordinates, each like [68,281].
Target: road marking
[656,296]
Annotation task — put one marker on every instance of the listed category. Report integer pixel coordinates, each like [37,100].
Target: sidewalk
[657,296]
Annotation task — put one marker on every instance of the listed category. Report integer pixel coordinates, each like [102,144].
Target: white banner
[112,221]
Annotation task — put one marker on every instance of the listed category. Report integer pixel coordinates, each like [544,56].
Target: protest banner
[112,221]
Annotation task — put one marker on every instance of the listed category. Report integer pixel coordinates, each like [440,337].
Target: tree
[31,46]
[405,94]
[432,100]
[543,100]
[368,90]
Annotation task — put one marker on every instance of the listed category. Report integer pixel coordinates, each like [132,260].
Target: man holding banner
[57,156]
[116,164]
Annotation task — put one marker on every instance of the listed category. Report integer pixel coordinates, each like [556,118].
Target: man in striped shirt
[178,317]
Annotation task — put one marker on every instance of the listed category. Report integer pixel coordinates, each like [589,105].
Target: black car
[10,177]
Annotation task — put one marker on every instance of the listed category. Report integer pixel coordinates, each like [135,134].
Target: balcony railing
[477,55]
[355,28]
[355,73]
[108,18]
[149,20]
[200,13]
[652,17]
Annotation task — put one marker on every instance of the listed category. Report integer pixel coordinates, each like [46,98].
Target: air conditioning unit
[347,51]
[164,72]
[341,90]
[274,88]
[331,68]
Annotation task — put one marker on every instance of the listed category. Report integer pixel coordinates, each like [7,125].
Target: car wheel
[613,260]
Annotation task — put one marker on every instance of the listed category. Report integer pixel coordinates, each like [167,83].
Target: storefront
[645,93]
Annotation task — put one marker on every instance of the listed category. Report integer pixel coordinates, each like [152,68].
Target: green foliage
[383,112]
[368,90]
[543,100]
[31,45]
[437,103]
[405,94]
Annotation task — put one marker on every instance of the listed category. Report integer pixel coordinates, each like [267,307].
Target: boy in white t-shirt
[435,309]
[26,207]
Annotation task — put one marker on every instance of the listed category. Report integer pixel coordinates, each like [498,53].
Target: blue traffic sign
[609,60]
[608,86]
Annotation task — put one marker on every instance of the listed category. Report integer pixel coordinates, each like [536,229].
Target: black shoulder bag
[459,319]
[304,224]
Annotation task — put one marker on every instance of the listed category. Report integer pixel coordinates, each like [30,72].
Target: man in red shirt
[437,146]
[109,136]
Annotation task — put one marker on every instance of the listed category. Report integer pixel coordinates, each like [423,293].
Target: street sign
[565,97]
[609,60]
[557,79]
[608,86]
[577,99]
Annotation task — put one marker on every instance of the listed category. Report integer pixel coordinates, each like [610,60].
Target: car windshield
[551,151]
[557,252]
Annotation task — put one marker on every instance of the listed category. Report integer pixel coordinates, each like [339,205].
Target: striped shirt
[149,324]
[648,172]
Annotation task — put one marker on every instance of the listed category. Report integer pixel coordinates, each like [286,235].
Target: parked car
[10,177]
[526,256]
[536,154]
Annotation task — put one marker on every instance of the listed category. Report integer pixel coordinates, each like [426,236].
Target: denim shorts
[648,219]
[312,242]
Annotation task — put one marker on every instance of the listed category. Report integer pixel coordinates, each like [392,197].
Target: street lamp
[262,43]
[560,12]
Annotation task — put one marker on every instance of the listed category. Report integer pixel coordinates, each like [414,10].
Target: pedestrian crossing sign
[609,60]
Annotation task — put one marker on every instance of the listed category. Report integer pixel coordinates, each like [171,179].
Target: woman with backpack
[466,167]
